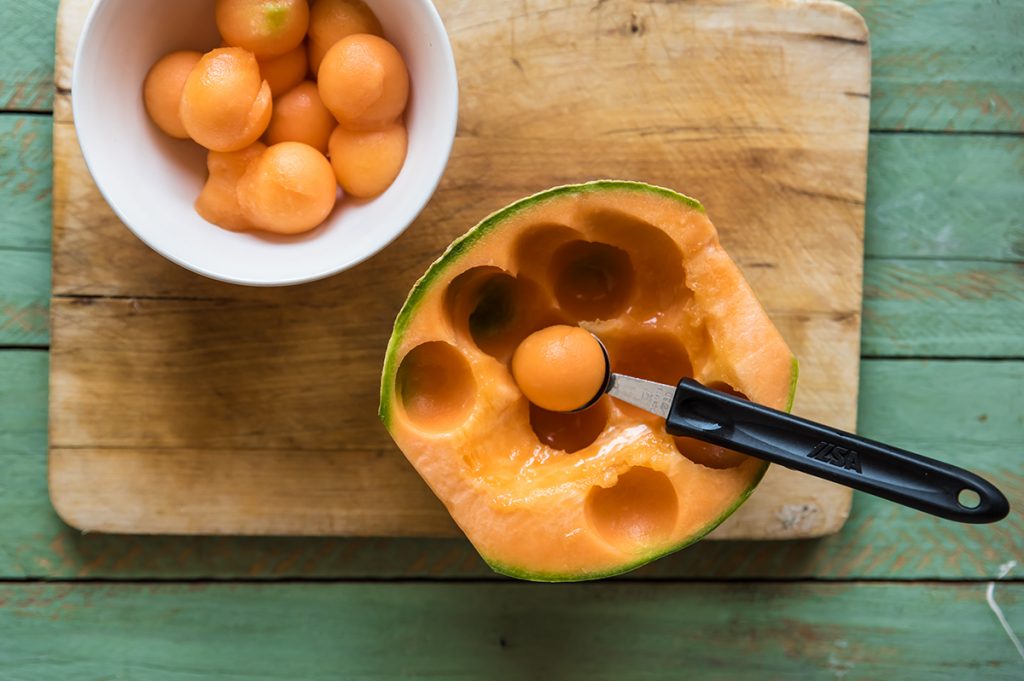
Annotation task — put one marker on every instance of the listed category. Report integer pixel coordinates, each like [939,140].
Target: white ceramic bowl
[151,181]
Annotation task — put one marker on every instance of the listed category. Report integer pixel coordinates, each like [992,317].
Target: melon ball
[366,163]
[218,202]
[284,72]
[225,105]
[162,88]
[332,20]
[364,82]
[560,368]
[267,28]
[289,189]
[300,116]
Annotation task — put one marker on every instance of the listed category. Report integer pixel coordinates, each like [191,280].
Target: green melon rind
[462,244]
[510,571]
[450,256]
[794,375]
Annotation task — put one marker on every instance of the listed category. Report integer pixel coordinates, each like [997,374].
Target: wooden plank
[941,65]
[25,181]
[25,191]
[26,54]
[904,208]
[797,158]
[912,308]
[607,631]
[966,412]
[931,195]
[944,403]
[23,401]
[24,305]
[945,196]
[24,504]
[943,308]
[946,65]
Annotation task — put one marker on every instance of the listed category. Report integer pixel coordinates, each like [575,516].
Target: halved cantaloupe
[562,497]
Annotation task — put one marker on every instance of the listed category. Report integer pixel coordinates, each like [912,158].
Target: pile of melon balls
[292,86]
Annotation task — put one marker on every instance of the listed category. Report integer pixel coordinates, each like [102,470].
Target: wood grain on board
[181,405]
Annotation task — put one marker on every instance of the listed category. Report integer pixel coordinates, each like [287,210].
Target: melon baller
[694,410]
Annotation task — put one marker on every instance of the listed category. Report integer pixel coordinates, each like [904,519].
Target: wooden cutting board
[183,405]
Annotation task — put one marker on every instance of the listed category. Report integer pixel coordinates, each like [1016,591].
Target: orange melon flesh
[366,163]
[218,201]
[284,72]
[161,91]
[332,20]
[300,116]
[363,80]
[288,189]
[562,497]
[225,103]
[268,28]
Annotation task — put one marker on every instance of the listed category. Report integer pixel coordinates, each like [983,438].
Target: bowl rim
[415,207]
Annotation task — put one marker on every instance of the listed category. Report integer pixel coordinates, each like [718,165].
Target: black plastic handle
[894,474]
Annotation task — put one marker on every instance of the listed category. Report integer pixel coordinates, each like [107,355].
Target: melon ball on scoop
[560,368]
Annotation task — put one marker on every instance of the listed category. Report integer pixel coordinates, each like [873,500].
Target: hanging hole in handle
[968,498]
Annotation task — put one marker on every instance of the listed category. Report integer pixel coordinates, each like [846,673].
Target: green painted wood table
[895,595]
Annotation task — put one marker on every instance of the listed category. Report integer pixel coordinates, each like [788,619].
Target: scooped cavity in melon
[225,104]
[553,496]
[707,454]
